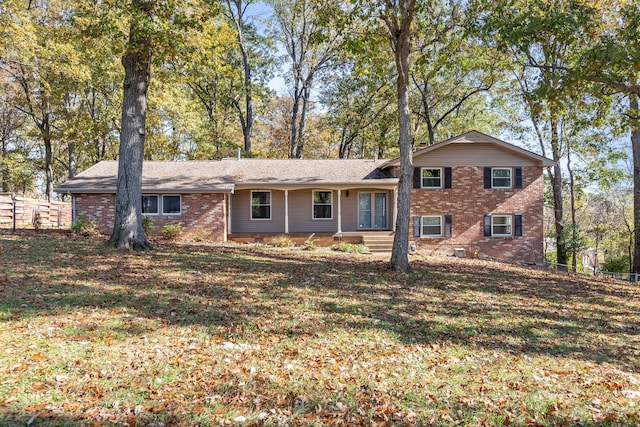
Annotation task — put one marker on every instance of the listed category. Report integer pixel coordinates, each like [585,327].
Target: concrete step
[378,242]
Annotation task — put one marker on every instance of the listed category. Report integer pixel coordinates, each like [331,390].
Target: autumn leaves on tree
[304,78]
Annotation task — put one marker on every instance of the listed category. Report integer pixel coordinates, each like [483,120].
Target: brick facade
[468,201]
[203,215]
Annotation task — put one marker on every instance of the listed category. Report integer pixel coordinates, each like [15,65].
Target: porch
[376,241]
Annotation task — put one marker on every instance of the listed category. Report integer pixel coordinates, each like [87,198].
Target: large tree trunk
[48,166]
[635,144]
[127,230]
[400,33]
[558,209]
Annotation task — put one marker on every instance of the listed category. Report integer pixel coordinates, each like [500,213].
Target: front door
[372,211]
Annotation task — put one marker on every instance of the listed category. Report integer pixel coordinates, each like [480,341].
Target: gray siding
[241,221]
[300,212]
[476,154]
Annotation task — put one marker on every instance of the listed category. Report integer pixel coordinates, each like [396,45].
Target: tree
[539,39]
[155,28]
[236,12]
[38,54]
[311,47]
[453,70]
[127,230]
[398,18]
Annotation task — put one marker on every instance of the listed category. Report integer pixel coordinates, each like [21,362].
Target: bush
[147,224]
[350,247]
[309,244]
[616,265]
[282,242]
[83,226]
[171,231]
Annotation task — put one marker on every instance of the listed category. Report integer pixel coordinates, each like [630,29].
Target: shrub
[147,224]
[282,242]
[83,226]
[171,231]
[616,265]
[309,244]
[350,247]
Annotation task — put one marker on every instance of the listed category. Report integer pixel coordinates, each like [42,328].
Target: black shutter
[487,225]
[517,231]
[417,177]
[416,226]
[448,222]
[518,178]
[447,177]
[487,177]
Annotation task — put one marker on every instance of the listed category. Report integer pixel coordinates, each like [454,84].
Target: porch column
[228,196]
[339,211]
[286,211]
[395,209]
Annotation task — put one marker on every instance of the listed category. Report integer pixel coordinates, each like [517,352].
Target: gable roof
[475,137]
[224,176]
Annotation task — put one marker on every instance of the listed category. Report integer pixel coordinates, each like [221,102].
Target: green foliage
[616,265]
[309,244]
[282,242]
[83,226]
[350,247]
[171,231]
[147,224]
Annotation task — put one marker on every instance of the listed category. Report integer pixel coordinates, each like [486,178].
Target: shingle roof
[225,175]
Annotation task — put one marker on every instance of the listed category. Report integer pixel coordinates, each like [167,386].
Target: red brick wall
[203,215]
[468,201]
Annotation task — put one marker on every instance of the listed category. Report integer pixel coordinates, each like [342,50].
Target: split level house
[471,192]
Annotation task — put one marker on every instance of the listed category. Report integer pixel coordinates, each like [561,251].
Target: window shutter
[487,177]
[518,178]
[447,177]
[517,219]
[487,225]
[416,226]
[448,225]
[417,177]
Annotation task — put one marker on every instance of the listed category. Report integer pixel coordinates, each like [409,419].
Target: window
[501,178]
[432,226]
[322,204]
[501,225]
[171,205]
[260,205]
[150,205]
[431,178]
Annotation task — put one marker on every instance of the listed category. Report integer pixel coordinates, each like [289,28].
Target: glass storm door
[372,210]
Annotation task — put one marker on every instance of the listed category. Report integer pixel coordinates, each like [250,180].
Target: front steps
[378,242]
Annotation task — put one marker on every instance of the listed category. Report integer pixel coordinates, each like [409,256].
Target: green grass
[202,335]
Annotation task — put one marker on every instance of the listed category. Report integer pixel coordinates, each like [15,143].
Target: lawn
[203,335]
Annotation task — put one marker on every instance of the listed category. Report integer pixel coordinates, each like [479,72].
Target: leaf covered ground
[203,335]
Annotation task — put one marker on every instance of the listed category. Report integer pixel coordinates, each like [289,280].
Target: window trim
[511,221]
[159,201]
[500,187]
[441,178]
[171,213]
[422,217]
[313,205]
[251,205]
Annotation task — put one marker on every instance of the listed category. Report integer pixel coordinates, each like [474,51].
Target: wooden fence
[22,212]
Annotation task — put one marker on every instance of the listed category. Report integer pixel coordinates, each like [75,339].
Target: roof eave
[173,190]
